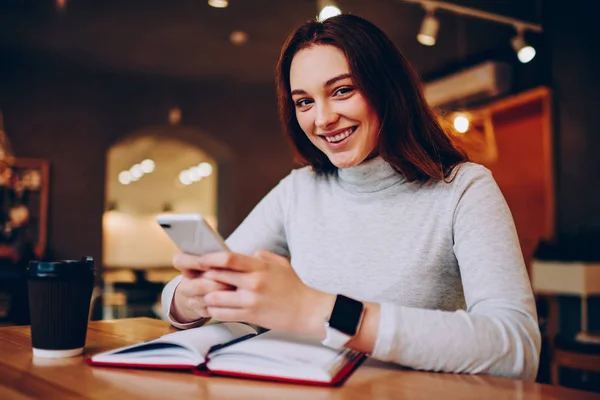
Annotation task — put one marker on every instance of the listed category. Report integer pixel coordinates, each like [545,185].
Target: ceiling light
[185,178]
[327,9]
[147,166]
[525,52]
[430,25]
[61,4]
[218,3]
[238,37]
[205,168]
[125,178]
[195,174]
[328,12]
[461,123]
[136,171]
[429,29]
[174,116]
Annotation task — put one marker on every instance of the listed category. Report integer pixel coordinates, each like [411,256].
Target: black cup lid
[63,268]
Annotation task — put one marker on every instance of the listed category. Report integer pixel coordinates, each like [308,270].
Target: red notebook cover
[201,370]
[89,361]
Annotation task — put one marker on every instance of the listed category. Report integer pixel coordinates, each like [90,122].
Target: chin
[346,162]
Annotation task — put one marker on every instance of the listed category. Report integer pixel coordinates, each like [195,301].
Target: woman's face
[330,109]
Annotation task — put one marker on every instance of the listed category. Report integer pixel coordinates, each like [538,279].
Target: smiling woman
[331,82]
[388,241]
[331,109]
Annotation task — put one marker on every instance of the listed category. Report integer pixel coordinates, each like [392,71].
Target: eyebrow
[328,83]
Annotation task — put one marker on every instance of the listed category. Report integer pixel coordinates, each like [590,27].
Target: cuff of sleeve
[385,337]
[167,298]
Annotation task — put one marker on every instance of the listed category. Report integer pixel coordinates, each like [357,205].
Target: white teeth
[340,136]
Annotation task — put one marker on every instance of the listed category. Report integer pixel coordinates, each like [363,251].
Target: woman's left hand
[268,293]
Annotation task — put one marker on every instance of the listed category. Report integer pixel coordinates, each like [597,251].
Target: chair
[575,354]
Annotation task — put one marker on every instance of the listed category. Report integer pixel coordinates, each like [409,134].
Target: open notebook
[235,349]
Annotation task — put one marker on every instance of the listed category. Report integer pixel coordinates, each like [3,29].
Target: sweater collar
[369,176]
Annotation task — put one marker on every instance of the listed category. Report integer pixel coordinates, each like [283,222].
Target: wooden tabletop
[23,377]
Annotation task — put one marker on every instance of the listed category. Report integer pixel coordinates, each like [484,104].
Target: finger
[242,280]
[199,308]
[196,304]
[188,264]
[190,273]
[228,314]
[188,287]
[198,287]
[230,299]
[202,286]
[233,261]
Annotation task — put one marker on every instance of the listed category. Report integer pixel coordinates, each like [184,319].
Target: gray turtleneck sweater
[442,259]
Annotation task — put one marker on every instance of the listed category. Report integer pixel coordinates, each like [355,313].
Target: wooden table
[22,377]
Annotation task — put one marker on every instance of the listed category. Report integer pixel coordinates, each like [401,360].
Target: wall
[572,36]
[512,137]
[71,117]
[522,171]
[572,33]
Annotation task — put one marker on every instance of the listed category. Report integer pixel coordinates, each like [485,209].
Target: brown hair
[411,138]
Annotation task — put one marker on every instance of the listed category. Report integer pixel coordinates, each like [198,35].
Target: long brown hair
[411,138]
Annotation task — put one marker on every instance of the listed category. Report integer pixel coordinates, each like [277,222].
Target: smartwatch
[344,321]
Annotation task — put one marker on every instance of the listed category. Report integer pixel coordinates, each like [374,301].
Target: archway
[151,171]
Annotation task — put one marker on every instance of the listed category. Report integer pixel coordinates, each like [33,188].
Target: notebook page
[201,339]
[284,349]
[173,348]
[164,354]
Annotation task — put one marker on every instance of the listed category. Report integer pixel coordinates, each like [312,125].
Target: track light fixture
[525,52]
[430,25]
[218,3]
[429,28]
[327,9]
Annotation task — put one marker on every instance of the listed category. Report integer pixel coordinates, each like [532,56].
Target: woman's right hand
[188,300]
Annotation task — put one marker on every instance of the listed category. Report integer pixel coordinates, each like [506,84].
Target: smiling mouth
[346,133]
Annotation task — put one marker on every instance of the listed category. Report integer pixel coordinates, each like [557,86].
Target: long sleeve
[167,299]
[498,334]
[263,228]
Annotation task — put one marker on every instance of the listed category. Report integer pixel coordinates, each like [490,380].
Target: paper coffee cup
[59,302]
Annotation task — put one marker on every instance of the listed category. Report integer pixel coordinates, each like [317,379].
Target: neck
[372,175]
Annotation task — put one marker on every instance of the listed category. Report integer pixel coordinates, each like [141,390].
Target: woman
[399,247]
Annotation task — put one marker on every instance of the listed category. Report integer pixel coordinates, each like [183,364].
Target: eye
[303,103]
[343,91]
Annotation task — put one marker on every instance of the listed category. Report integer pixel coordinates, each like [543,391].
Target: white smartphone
[191,233]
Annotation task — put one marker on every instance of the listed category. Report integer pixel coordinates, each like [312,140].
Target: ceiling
[189,39]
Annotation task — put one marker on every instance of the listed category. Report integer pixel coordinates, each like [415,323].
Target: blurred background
[112,112]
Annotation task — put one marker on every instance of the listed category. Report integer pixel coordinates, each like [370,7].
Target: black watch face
[346,315]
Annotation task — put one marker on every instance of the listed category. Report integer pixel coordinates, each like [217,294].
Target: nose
[325,115]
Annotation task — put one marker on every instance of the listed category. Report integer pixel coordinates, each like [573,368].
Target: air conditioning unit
[486,80]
